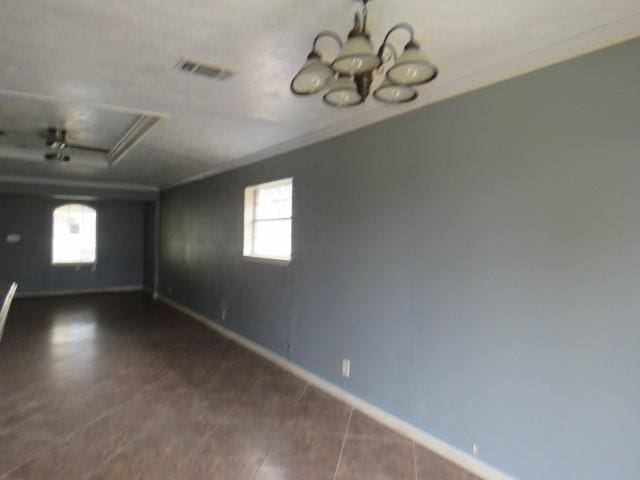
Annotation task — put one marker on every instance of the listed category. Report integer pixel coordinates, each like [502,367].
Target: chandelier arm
[399,26]
[327,34]
[384,62]
[394,53]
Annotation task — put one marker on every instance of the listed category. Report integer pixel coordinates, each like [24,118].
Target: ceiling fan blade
[77,158]
[89,148]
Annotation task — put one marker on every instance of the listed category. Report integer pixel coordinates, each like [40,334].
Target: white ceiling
[123,53]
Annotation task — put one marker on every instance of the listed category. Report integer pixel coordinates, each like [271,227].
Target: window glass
[268,212]
[74,234]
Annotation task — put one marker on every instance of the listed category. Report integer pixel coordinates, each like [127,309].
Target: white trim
[6,305]
[276,262]
[132,137]
[104,106]
[438,446]
[149,291]
[60,293]
[59,182]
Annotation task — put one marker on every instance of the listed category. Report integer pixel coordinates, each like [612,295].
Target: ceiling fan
[53,146]
[59,149]
[56,141]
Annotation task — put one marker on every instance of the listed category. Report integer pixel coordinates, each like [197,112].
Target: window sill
[277,262]
[74,265]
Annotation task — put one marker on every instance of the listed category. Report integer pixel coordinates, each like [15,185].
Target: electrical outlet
[223,305]
[346,367]
[170,289]
[476,449]
[14,238]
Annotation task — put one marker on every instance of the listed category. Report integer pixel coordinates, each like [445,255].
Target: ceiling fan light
[412,67]
[392,93]
[356,56]
[312,77]
[343,92]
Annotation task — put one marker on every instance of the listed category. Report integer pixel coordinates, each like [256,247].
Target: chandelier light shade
[412,68]
[312,77]
[357,56]
[351,76]
[343,92]
[392,93]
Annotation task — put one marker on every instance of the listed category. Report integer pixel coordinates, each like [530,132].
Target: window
[74,234]
[267,220]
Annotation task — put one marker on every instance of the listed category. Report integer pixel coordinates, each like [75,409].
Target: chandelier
[349,78]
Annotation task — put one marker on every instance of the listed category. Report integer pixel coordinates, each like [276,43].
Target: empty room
[337,240]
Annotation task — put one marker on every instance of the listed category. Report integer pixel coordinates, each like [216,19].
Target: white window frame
[59,263]
[250,220]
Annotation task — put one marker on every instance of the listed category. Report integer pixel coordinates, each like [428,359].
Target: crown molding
[60,182]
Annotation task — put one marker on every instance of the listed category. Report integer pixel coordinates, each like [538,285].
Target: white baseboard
[60,293]
[150,291]
[454,455]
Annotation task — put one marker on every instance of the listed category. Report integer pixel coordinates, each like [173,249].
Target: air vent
[205,69]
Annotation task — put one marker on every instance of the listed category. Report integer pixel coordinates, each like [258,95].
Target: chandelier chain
[365,12]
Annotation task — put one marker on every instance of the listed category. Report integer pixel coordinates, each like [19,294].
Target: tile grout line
[344,441]
[206,438]
[415,462]
[60,439]
[100,416]
[130,442]
[304,390]
[66,438]
[264,459]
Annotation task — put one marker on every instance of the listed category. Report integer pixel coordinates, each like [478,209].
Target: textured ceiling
[86,124]
[123,53]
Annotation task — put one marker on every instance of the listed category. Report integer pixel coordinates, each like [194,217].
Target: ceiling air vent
[205,69]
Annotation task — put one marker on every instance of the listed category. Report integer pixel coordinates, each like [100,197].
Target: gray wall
[120,246]
[150,250]
[477,260]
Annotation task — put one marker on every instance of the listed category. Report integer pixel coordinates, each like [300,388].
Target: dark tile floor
[119,387]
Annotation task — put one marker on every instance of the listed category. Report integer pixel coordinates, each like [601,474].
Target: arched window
[74,234]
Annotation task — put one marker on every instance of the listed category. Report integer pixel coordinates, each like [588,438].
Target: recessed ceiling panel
[52,130]
[84,123]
